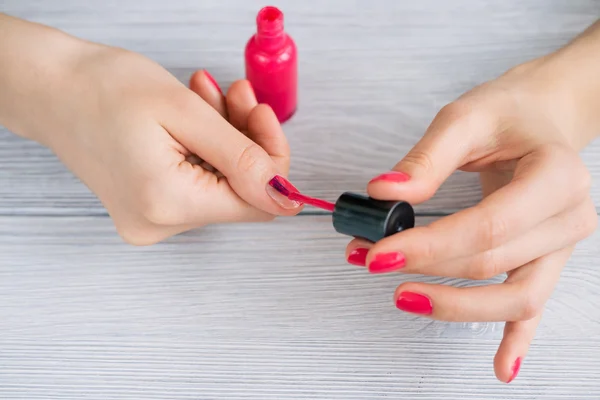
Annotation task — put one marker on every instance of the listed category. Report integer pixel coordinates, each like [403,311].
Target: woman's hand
[142,141]
[146,145]
[522,133]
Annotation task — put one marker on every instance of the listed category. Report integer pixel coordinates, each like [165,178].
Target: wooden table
[272,311]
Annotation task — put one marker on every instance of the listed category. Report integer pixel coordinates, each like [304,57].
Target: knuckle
[465,112]
[493,232]
[250,158]
[584,180]
[531,306]
[425,249]
[485,266]
[588,222]
[577,176]
[155,213]
[419,159]
[185,103]
[456,111]
[155,205]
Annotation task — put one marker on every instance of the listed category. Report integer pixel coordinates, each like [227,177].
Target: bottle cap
[364,217]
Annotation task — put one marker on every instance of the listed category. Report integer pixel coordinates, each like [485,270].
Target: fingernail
[515,370]
[278,189]
[392,176]
[414,303]
[386,262]
[213,81]
[358,256]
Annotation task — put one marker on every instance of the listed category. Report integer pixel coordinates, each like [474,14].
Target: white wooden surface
[241,312]
[372,76]
[272,311]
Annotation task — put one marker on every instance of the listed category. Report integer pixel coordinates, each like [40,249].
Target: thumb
[445,147]
[247,167]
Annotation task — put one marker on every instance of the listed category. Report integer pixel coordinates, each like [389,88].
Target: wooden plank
[130,367]
[256,311]
[370,79]
[290,275]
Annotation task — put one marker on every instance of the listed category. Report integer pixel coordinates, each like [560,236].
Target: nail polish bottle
[272,64]
[362,216]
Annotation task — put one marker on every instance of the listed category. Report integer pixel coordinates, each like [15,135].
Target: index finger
[246,165]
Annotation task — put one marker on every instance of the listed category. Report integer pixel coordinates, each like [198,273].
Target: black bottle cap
[364,217]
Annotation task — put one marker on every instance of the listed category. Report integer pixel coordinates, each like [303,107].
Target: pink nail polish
[279,189]
[515,370]
[386,262]
[272,64]
[213,81]
[358,257]
[414,303]
[392,176]
[285,188]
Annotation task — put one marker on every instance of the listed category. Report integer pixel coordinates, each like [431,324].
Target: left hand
[536,208]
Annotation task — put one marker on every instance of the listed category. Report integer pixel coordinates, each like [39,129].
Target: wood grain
[272,311]
[371,78]
[126,367]
[256,311]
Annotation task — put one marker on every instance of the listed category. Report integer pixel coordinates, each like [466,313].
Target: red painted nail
[414,303]
[212,80]
[515,370]
[279,189]
[386,262]
[358,257]
[392,176]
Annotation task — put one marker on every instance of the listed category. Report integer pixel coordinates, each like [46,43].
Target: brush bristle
[276,184]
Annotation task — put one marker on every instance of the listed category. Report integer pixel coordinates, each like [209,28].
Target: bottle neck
[269,28]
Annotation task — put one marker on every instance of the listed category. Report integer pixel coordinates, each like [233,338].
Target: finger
[447,144]
[246,166]
[356,252]
[562,230]
[530,198]
[265,130]
[204,200]
[519,298]
[240,103]
[204,85]
[212,200]
[513,348]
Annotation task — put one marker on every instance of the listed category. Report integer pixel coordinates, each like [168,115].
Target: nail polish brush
[355,214]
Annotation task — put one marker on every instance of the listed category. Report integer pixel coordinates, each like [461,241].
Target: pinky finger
[513,348]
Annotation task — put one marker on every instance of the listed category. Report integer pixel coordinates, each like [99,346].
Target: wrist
[573,79]
[34,73]
[562,89]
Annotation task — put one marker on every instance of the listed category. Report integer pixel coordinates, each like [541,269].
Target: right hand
[146,145]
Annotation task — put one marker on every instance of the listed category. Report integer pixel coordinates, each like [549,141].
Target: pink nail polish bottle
[272,64]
